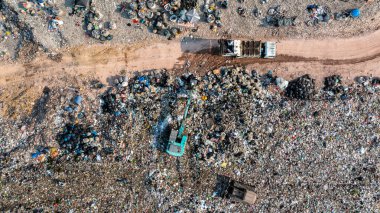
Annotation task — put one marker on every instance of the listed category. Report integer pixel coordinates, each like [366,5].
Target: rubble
[46,9]
[170,18]
[95,26]
[318,14]
[333,84]
[301,88]
[276,17]
[346,14]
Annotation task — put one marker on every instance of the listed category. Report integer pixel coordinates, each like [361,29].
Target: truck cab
[269,49]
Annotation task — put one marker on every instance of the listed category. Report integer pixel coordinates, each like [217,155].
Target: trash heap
[169,18]
[375,81]
[317,14]
[80,141]
[370,84]
[155,96]
[213,13]
[276,17]
[30,7]
[333,83]
[219,96]
[125,97]
[160,16]
[240,124]
[301,88]
[346,14]
[79,7]
[46,9]
[333,87]
[95,26]
[220,124]
[6,30]
[45,153]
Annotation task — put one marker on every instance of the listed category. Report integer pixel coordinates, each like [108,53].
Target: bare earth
[348,57]
[333,48]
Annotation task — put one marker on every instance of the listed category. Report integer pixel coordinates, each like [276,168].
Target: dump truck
[247,49]
[239,192]
[235,191]
[177,139]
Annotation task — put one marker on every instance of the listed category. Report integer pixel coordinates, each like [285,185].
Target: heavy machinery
[177,139]
[235,191]
[243,48]
[239,192]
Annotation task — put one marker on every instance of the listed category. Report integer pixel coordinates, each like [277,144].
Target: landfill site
[189,106]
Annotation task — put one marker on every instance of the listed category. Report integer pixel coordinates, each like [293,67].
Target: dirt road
[349,57]
[332,48]
[320,58]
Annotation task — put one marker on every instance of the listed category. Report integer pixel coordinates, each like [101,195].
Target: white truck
[247,48]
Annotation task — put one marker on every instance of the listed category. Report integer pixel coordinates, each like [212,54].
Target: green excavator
[177,140]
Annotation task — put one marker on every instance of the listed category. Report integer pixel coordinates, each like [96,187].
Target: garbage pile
[95,26]
[240,124]
[114,102]
[160,17]
[155,96]
[301,88]
[189,4]
[375,81]
[168,18]
[346,14]
[220,125]
[46,9]
[6,29]
[45,153]
[333,87]
[334,84]
[30,7]
[371,84]
[212,11]
[276,17]
[79,7]
[80,141]
[317,14]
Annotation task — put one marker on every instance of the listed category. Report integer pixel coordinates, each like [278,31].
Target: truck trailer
[247,48]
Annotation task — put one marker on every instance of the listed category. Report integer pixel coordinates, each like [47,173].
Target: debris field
[102,147]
